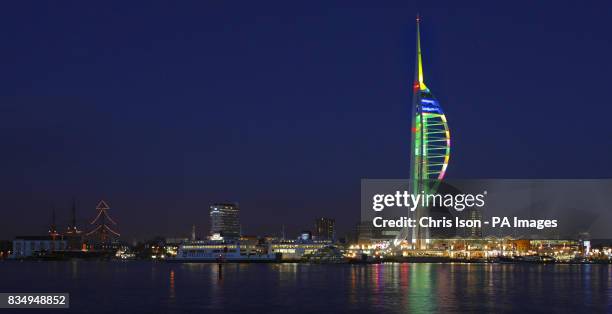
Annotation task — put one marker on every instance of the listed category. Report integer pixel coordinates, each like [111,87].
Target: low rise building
[29,246]
[297,249]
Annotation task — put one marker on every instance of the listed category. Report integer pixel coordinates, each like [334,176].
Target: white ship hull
[223,259]
[219,252]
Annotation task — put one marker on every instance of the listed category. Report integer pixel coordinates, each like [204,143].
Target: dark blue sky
[163,108]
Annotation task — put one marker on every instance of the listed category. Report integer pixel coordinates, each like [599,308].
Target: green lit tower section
[430,150]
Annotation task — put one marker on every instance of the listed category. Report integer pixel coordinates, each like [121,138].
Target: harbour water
[156,287]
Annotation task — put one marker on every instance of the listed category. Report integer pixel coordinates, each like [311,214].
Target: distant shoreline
[406,261]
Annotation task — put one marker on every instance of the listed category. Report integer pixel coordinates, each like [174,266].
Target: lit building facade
[297,249]
[325,229]
[225,220]
[28,246]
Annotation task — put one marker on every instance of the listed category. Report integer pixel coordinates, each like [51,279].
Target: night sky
[164,108]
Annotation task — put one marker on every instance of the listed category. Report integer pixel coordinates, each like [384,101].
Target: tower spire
[419,83]
[430,149]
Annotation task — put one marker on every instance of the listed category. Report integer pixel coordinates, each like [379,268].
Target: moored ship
[223,251]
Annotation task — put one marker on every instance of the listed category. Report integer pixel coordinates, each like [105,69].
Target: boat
[534,259]
[224,251]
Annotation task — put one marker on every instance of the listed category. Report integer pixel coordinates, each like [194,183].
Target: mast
[72,227]
[53,227]
[74,214]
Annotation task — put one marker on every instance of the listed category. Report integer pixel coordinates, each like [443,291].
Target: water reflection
[287,274]
[172,292]
[277,288]
[420,291]
[75,269]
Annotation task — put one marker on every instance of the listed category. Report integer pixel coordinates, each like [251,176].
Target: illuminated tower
[103,232]
[430,149]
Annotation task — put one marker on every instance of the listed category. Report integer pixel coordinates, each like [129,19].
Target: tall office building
[225,220]
[325,229]
[430,149]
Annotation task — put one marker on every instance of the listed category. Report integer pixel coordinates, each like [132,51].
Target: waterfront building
[325,229]
[488,248]
[298,249]
[522,246]
[225,220]
[29,246]
[327,254]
